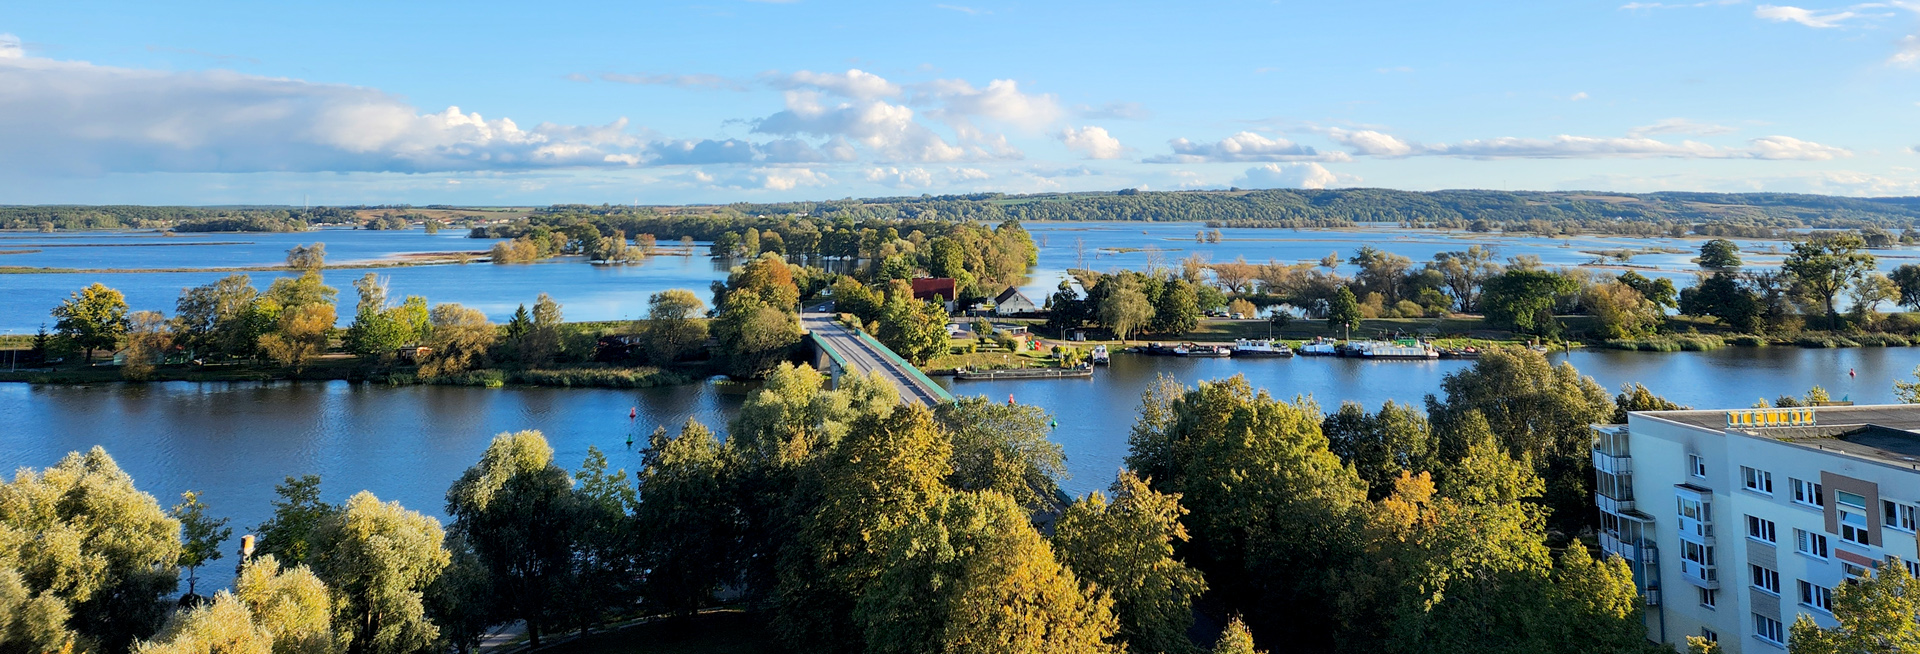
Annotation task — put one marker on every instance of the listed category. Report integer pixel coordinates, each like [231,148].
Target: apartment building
[1738,522]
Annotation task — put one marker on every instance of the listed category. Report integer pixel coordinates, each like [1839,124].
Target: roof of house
[924,287]
[1010,293]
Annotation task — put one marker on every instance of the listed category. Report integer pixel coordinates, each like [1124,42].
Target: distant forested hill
[1555,212]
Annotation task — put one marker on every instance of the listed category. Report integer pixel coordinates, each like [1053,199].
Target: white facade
[1734,532]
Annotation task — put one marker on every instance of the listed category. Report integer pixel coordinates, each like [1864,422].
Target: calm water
[235,441]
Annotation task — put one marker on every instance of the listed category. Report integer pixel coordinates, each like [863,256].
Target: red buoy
[633,413]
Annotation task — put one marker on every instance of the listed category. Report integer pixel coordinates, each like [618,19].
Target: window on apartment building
[1768,629]
[1852,570]
[1697,466]
[1809,543]
[1709,635]
[1897,516]
[1709,597]
[1913,568]
[1765,579]
[1759,481]
[1853,517]
[1819,597]
[1761,530]
[1806,492]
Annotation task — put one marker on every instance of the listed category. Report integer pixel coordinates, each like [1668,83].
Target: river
[234,441]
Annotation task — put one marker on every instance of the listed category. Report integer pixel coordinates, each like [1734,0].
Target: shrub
[1747,340]
[1669,343]
[1882,340]
[600,377]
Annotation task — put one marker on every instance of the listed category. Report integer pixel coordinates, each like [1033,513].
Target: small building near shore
[942,289]
[1012,302]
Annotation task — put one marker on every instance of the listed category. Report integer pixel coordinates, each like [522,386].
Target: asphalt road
[857,353]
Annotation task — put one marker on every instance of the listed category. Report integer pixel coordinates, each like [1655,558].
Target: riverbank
[350,368]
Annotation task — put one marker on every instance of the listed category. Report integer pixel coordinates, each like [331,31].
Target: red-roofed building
[942,288]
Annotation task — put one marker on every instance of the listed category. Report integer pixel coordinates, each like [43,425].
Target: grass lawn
[718,632]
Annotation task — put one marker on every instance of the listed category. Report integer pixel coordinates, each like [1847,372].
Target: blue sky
[483,103]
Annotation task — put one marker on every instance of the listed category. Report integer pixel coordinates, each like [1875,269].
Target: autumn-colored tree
[1236,639]
[301,335]
[459,338]
[149,338]
[1380,446]
[379,557]
[1126,549]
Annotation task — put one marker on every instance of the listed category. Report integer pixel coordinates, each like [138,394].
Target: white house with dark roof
[1011,302]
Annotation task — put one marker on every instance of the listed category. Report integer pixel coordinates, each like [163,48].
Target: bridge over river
[842,350]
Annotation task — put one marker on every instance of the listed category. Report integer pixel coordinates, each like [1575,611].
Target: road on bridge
[861,355]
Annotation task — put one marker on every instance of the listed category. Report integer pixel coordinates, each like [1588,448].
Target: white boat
[1262,348]
[1320,347]
[1402,349]
[1099,356]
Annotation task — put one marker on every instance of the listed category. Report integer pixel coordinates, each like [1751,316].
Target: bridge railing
[913,371]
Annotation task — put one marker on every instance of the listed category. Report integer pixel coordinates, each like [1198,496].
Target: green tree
[1826,263]
[1867,293]
[95,318]
[1002,447]
[380,328]
[1126,548]
[1464,273]
[287,293]
[673,330]
[914,329]
[89,556]
[887,472]
[1524,299]
[607,560]
[1343,311]
[1722,296]
[686,519]
[1541,413]
[1272,507]
[201,535]
[292,605]
[753,334]
[379,558]
[301,334]
[1125,309]
[1719,255]
[1907,277]
[1380,446]
[516,509]
[1065,310]
[224,626]
[221,318]
[1636,397]
[1875,614]
[1658,291]
[1176,310]
[297,514]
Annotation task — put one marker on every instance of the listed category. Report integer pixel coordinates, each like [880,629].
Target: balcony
[1629,549]
[1704,576]
[1611,505]
[1652,596]
[1610,464]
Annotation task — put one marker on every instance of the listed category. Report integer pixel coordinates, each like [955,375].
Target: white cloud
[1907,55]
[1578,96]
[10,47]
[855,84]
[1679,126]
[1244,146]
[1589,147]
[1901,182]
[692,81]
[769,179]
[1093,142]
[1807,17]
[1369,142]
[888,130]
[1292,175]
[80,118]
[899,178]
[1001,101]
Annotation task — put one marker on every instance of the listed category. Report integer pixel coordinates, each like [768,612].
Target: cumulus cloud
[1679,126]
[1369,142]
[1292,175]
[1807,17]
[10,47]
[1244,146]
[855,83]
[1092,142]
[918,177]
[76,117]
[888,130]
